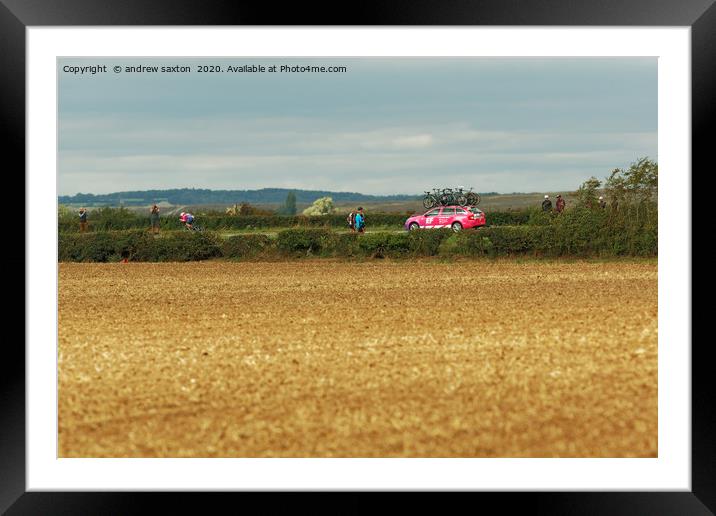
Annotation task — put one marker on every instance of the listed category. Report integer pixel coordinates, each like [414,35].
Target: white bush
[322,206]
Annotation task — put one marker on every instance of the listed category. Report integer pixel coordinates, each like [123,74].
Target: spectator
[154,216]
[602,203]
[360,221]
[352,221]
[83,220]
[546,204]
[560,204]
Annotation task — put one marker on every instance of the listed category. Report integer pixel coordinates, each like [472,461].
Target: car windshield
[475,210]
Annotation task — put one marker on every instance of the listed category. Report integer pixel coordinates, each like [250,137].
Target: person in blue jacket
[360,221]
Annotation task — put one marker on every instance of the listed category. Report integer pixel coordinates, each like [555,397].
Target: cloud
[418,141]
[383,160]
[390,126]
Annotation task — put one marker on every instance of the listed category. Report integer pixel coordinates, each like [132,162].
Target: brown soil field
[376,359]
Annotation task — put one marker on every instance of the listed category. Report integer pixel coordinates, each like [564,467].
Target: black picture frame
[17,15]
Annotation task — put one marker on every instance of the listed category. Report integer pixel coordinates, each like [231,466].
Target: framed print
[351,275]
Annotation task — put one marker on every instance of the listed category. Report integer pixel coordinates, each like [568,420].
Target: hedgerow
[246,246]
[178,247]
[427,243]
[117,219]
[507,218]
[305,241]
[577,232]
[384,244]
[137,246]
[580,231]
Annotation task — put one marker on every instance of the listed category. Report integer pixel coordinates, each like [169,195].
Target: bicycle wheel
[461,199]
[429,202]
[473,199]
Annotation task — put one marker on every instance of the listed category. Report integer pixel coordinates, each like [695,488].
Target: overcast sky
[387,125]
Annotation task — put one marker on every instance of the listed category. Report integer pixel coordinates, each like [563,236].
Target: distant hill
[193,196]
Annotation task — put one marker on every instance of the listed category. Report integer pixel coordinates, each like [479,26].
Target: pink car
[455,217]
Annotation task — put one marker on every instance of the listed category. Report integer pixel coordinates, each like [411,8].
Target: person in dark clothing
[560,204]
[602,203]
[83,220]
[154,216]
[546,204]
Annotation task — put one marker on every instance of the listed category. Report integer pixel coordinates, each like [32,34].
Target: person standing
[360,221]
[83,220]
[154,217]
[560,204]
[546,204]
[602,203]
[352,221]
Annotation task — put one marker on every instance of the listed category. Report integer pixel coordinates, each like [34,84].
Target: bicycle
[459,196]
[431,199]
[452,197]
[194,227]
[472,198]
[449,196]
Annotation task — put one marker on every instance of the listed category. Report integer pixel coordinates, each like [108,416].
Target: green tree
[587,193]
[245,209]
[322,206]
[634,191]
[637,184]
[289,205]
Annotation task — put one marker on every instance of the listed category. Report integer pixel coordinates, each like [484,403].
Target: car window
[433,213]
[475,210]
[448,211]
[460,211]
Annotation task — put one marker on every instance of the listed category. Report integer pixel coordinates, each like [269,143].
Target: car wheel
[456,226]
[413,226]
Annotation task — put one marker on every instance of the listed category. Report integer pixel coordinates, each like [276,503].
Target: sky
[384,126]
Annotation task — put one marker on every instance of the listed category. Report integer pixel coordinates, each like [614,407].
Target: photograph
[357,257]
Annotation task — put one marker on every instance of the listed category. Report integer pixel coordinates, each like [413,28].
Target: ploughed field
[337,359]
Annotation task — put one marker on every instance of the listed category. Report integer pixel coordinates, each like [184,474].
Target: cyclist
[187,219]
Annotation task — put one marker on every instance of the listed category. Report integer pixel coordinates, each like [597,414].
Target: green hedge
[124,220]
[115,219]
[498,241]
[632,231]
[579,232]
[247,246]
[305,241]
[325,242]
[138,246]
[507,218]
